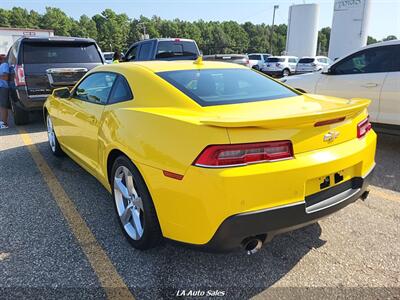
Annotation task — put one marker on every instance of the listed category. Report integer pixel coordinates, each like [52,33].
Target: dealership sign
[347,4]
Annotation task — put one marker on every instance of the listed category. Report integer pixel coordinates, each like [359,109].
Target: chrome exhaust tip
[252,246]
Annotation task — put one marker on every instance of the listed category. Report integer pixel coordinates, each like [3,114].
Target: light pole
[272,28]
[144,29]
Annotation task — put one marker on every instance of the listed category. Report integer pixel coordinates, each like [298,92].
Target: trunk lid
[290,119]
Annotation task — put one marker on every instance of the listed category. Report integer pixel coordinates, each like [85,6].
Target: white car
[313,64]
[372,72]
[108,57]
[257,60]
[280,65]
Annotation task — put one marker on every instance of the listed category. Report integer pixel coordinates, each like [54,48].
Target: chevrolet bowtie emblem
[331,136]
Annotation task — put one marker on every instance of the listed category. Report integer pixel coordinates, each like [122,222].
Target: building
[9,35]
[302,33]
[349,27]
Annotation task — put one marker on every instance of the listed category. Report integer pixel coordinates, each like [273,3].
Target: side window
[121,91]
[12,55]
[131,55]
[95,88]
[292,60]
[144,53]
[265,57]
[374,60]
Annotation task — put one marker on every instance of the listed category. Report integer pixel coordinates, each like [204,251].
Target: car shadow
[162,271]
[36,124]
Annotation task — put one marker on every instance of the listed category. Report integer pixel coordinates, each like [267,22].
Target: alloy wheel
[51,135]
[128,202]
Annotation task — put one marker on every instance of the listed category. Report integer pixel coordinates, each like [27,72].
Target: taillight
[363,127]
[244,154]
[19,76]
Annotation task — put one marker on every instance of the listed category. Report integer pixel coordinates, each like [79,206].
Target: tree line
[114,31]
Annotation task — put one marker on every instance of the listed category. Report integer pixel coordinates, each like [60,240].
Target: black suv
[38,65]
[163,49]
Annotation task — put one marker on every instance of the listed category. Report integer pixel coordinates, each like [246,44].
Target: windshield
[168,49]
[226,86]
[47,53]
[306,60]
[275,59]
[255,57]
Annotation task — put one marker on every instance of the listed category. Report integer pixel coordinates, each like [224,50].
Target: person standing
[116,57]
[4,90]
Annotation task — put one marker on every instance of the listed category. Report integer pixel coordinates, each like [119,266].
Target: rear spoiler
[354,106]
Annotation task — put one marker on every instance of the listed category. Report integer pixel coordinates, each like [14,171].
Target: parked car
[280,65]
[372,72]
[313,64]
[40,64]
[108,57]
[258,60]
[212,154]
[163,49]
[240,59]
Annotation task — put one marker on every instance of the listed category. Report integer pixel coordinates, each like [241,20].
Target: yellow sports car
[211,154]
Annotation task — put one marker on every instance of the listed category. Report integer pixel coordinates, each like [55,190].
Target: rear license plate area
[329,180]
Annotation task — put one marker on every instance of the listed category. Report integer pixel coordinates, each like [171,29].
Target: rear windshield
[306,60]
[168,49]
[108,56]
[226,86]
[224,57]
[275,59]
[43,53]
[255,57]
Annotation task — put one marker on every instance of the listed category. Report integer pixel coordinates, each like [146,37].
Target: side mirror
[62,93]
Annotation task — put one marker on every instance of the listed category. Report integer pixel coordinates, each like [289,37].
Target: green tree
[85,27]
[56,19]
[324,36]
[19,17]
[371,40]
[112,30]
[4,18]
[389,38]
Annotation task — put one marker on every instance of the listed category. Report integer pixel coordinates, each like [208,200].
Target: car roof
[156,66]
[56,39]
[163,39]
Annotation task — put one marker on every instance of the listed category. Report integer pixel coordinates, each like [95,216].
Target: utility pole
[272,28]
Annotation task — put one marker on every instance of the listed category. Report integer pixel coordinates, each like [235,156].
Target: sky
[385,14]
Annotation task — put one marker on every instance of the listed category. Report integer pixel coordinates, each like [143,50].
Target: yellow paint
[109,279]
[163,129]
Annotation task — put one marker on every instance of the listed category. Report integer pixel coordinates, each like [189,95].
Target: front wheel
[53,141]
[134,206]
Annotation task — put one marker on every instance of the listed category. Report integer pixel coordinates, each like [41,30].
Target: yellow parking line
[110,280]
[384,193]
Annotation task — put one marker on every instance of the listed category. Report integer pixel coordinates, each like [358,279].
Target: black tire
[55,148]
[285,72]
[21,117]
[152,235]
[256,67]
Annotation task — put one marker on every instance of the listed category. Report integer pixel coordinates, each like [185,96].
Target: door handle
[370,85]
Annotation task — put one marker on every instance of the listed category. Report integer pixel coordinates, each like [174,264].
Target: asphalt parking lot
[60,238]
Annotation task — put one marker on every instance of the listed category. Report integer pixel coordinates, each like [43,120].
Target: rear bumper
[273,73]
[20,98]
[270,222]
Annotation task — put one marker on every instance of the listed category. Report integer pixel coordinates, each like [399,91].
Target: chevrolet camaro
[211,154]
